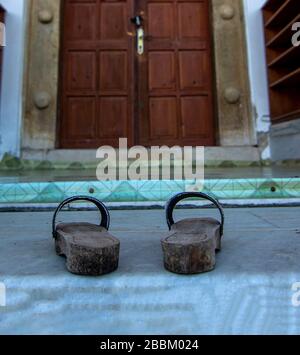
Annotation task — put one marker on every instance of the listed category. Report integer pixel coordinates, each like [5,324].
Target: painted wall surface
[258,72]
[11,97]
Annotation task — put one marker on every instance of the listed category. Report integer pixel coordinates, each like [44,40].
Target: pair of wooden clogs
[189,248]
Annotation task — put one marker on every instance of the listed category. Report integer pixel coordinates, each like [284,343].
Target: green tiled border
[147,191]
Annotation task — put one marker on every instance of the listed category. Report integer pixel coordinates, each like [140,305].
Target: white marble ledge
[250,292]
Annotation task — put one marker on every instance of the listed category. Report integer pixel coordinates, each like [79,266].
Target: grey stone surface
[11,176]
[241,153]
[249,292]
[285,138]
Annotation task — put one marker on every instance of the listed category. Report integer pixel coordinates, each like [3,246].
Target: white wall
[11,92]
[257,67]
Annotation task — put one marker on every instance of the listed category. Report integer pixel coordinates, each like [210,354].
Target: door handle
[140,33]
[140,41]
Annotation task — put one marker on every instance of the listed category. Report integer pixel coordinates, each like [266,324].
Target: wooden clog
[191,245]
[88,248]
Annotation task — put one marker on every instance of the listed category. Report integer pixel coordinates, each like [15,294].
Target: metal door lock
[140,41]
[137,20]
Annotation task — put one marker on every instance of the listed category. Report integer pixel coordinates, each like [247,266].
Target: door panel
[114,109]
[162,79]
[113,72]
[109,91]
[162,107]
[81,70]
[174,74]
[81,118]
[97,77]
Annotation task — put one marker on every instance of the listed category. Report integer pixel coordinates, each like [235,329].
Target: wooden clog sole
[89,249]
[191,245]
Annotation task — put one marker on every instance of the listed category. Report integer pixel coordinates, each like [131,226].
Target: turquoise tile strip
[147,191]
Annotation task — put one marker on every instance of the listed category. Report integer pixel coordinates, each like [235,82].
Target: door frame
[234,116]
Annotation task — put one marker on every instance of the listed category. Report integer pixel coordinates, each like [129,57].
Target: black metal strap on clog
[171,204]
[105,217]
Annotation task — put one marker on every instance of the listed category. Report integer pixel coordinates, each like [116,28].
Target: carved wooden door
[159,94]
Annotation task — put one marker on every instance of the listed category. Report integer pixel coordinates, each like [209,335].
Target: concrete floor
[250,292]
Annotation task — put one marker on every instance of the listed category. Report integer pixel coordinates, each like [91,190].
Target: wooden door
[175,79]
[109,91]
[97,73]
